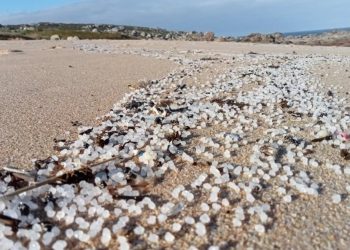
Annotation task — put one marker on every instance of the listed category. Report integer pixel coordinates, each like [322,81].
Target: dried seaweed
[229,102]
[246,74]
[164,103]
[137,198]
[295,114]
[293,140]
[55,140]
[78,176]
[284,104]
[308,152]
[209,59]
[173,136]
[267,150]
[17,182]
[134,104]
[345,154]
[76,123]
[102,141]
[158,120]
[16,51]
[8,221]
[143,186]
[86,131]
[240,105]
[327,138]
[24,209]
[180,87]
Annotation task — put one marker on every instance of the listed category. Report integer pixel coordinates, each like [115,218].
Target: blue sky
[224,17]
[14,6]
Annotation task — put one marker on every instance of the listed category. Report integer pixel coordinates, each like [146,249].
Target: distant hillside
[333,37]
[57,31]
[315,32]
[93,31]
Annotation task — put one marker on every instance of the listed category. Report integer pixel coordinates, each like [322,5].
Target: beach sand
[42,95]
[48,85]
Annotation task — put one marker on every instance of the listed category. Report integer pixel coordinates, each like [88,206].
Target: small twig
[28,188]
[52,179]
[328,137]
[25,177]
[15,170]
[21,174]
[8,221]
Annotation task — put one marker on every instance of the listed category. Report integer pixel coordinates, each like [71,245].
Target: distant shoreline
[63,31]
[314,32]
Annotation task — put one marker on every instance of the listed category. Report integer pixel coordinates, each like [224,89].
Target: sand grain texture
[43,90]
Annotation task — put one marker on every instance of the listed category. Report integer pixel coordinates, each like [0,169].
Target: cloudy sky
[224,17]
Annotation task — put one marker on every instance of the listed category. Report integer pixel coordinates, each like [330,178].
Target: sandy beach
[48,89]
[243,146]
